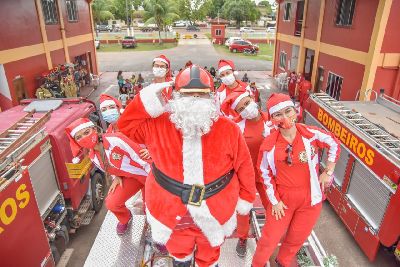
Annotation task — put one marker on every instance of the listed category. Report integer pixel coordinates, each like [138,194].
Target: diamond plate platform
[110,249]
[229,258]
[87,217]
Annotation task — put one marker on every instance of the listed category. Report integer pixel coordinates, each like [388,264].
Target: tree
[265,8]
[101,10]
[241,10]
[193,10]
[159,12]
[215,8]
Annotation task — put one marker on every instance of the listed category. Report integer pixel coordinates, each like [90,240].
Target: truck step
[84,207]
[87,217]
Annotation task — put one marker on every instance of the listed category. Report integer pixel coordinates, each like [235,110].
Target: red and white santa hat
[277,102]
[71,130]
[164,59]
[225,64]
[231,102]
[107,100]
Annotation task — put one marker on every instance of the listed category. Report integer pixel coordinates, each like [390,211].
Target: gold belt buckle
[197,203]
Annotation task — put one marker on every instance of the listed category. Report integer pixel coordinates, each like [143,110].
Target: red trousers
[243,221]
[115,202]
[298,222]
[182,243]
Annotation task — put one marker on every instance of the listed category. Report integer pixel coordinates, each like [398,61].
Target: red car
[129,41]
[240,46]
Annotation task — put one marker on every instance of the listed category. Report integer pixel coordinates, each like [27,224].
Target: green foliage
[241,10]
[215,6]
[193,10]
[102,10]
[265,8]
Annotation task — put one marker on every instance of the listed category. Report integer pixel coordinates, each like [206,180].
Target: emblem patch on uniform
[303,156]
[116,156]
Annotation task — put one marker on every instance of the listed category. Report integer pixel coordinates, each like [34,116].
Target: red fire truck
[365,193]
[43,197]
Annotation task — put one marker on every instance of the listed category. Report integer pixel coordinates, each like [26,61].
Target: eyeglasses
[289,159]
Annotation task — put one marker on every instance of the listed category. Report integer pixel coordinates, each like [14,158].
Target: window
[345,12]
[50,11]
[334,85]
[218,32]
[282,60]
[286,11]
[72,10]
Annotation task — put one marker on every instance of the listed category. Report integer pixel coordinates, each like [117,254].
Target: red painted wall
[391,41]
[81,26]
[351,72]
[385,78]
[312,18]
[81,49]
[286,47]
[287,27]
[57,57]
[19,24]
[358,35]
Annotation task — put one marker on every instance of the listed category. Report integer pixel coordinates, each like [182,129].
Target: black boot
[176,263]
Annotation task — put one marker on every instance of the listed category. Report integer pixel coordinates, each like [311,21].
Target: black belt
[191,194]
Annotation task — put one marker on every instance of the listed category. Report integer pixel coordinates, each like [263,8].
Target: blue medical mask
[110,115]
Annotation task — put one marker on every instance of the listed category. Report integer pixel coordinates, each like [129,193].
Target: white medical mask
[229,79]
[110,115]
[159,72]
[250,112]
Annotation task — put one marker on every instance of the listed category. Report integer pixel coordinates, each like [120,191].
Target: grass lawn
[266,52]
[140,47]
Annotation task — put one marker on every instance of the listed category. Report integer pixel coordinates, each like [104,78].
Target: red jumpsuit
[304,87]
[296,186]
[292,85]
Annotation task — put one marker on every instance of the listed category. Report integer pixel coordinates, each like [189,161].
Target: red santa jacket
[199,160]
[223,91]
[123,157]
[313,138]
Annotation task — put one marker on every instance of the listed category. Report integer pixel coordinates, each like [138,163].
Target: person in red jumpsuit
[289,164]
[116,155]
[162,73]
[292,84]
[255,126]
[201,163]
[305,87]
[227,73]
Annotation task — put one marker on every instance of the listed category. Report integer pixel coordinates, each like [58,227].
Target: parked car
[97,43]
[116,28]
[147,29]
[246,29]
[180,23]
[103,28]
[239,46]
[192,28]
[129,41]
[230,40]
[271,30]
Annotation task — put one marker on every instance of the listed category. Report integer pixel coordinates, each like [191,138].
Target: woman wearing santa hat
[289,164]
[227,73]
[162,73]
[115,154]
[255,126]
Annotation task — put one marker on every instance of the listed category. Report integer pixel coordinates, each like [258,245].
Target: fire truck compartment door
[367,239]
[334,197]
[368,194]
[44,180]
[340,169]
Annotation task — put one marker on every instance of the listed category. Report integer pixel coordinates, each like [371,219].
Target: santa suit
[304,87]
[191,161]
[292,85]
[297,186]
[123,161]
[224,90]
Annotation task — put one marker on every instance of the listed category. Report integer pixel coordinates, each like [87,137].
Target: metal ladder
[383,139]
[20,132]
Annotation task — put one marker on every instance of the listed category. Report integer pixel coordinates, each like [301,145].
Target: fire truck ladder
[20,132]
[383,140]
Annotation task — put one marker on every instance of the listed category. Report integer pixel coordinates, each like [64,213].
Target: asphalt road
[199,51]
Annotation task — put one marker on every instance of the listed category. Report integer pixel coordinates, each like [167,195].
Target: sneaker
[122,228]
[241,247]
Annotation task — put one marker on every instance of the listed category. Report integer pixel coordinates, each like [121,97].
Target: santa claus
[227,73]
[201,163]
[289,164]
[162,73]
[116,155]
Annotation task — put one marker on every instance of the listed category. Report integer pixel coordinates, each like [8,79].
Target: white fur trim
[192,156]
[151,102]
[240,97]
[162,60]
[230,225]
[159,232]
[242,125]
[281,105]
[224,68]
[76,160]
[80,127]
[236,73]
[243,207]
[107,102]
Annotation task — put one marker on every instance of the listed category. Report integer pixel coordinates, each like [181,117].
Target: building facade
[38,35]
[346,48]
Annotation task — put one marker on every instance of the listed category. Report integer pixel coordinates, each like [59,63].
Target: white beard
[194,116]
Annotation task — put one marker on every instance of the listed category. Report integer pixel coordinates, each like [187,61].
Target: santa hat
[106,100]
[230,103]
[224,65]
[277,102]
[71,130]
[164,59]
